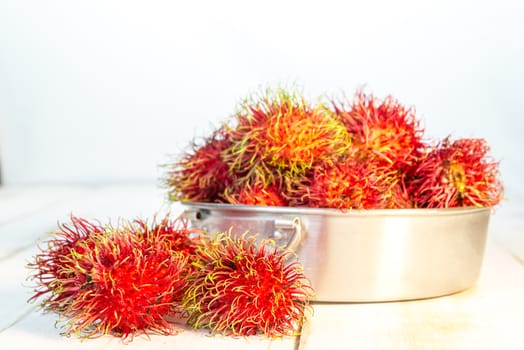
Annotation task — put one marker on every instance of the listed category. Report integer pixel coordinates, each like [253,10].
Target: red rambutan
[177,232]
[202,174]
[382,130]
[54,269]
[122,280]
[456,174]
[255,194]
[351,184]
[243,288]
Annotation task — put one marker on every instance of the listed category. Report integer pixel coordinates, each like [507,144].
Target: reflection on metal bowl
[366,255]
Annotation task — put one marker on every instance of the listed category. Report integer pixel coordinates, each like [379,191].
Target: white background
[98,92]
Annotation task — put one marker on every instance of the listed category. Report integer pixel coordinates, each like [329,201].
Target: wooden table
[488,316]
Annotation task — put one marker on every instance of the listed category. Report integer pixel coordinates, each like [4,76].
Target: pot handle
[285,225]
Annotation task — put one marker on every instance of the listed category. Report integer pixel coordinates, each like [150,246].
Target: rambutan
[285,133]
[382,130]
[176,232]
[122,280]
[456,174]
[202,174]
[54,270]
[351,184]
[243,288]
[257,193]
[369,153]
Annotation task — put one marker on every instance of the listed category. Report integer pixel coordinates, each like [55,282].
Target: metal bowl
[366,255]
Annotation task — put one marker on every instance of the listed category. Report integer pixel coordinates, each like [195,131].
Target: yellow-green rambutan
[285,132]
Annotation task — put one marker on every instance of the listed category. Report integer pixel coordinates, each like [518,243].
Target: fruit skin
[382,131]
[280,150]
[242,288]
[351,184]
[201,174]
[456,174]
[278,134]
[122,280]
[54,270]
[139,278]
[257,194]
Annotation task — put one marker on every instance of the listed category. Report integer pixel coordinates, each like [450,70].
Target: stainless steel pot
[366,255]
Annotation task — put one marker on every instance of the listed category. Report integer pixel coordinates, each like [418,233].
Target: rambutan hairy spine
[284,131]
[202,174]
[122,280]
[456,174]
[381,130]
[243,288]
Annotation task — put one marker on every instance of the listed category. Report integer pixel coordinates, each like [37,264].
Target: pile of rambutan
[366,153]
[138,278]
[278,149]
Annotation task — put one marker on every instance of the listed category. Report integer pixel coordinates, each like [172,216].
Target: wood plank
[19,236]
[38,329]
[22,325]
[484,317]
[14,289]
[488,316]
[507,227]
[107,204]
[17,203]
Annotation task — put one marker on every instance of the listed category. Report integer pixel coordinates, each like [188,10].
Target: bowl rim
[280,210]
